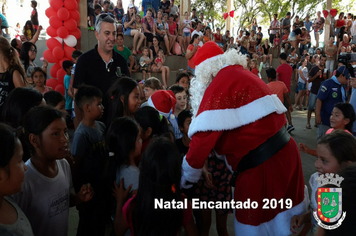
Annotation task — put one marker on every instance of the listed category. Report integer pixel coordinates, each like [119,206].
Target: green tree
[266,8]
[342,6]
[212,9]
[246,10]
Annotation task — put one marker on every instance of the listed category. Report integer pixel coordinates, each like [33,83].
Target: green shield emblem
[329,204]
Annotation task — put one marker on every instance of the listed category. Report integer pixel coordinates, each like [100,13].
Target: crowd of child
[138,149]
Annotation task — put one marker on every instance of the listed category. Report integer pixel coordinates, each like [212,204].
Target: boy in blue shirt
[67,66]
[330,92]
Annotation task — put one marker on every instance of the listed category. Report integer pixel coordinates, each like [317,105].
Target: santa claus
[235,114]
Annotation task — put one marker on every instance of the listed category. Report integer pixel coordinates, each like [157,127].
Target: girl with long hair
[28,55]
[160,173]
[12,74]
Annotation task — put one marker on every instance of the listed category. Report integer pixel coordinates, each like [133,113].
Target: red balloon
[63,14]
[70,24]
[54,69]
[50,12]
[62,32]
[74,15]
[231,14]
[76,33]
[225,15]
[71,5]
[55,22]
[51,31]
[52,43]
[58,53]
[60,88]
[333,12]
[68,52]
[49,56]
[62,60]
[52,83]
[60,75]
[325,13]
[56,4]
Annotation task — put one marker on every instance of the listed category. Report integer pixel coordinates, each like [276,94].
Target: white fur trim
[189,174]
[278,226]
[210,59]
[150,103]
[228,119]
[207,70]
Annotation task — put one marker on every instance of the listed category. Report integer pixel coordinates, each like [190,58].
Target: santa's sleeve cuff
[189,174]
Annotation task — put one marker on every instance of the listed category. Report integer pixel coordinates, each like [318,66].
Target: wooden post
[229,19]
[327,24]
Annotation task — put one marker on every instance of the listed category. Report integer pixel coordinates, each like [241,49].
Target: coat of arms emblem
[329,214]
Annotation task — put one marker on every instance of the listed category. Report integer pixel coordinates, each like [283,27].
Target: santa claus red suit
[234,114]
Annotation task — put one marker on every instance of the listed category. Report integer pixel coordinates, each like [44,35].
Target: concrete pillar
[184,6]
[83,26]
[229,19]
[327,24]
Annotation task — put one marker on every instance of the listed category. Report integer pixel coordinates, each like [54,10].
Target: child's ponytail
[148,117]
[160,174]
[121,139]
[119,91]
[11,57]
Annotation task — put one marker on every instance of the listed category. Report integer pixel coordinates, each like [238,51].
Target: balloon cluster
[226,15]
[63,20]
[332,12]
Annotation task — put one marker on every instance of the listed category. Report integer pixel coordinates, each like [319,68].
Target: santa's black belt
[262,153]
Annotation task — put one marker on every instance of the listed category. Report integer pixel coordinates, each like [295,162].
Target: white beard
[207,70]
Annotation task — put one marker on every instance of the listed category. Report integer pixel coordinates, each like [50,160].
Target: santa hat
[163,101]
[210,50]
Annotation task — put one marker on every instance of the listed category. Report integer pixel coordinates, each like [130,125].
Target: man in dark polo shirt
[317,74]
[101,66]
[330,92]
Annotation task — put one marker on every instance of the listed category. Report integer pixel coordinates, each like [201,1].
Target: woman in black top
[154,48]
[12,75]
[266,54]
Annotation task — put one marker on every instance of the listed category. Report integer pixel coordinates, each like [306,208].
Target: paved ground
[300,134]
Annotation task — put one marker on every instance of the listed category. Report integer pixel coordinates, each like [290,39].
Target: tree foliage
[212,9]
[246,10]
[343,6]
[266,8]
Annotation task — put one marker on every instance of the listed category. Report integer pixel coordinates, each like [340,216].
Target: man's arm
[317,111]
[312,78]
[79,74]
[123,66]
[286,97]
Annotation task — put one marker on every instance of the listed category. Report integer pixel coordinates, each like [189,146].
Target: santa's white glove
[190,175]
[184,183]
